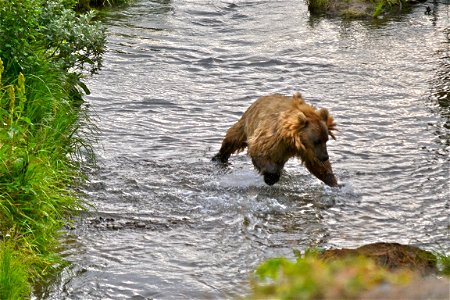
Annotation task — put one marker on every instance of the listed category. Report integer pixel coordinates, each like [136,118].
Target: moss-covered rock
[374,271]
[392,256]
[357,9]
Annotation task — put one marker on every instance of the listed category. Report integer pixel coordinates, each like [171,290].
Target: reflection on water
[168,224]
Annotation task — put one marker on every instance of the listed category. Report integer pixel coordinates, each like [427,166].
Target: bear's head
[313,131]
[307,130]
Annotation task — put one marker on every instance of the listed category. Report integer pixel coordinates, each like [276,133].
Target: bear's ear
[328,119]
[297,97]
[302,120]
[324,114]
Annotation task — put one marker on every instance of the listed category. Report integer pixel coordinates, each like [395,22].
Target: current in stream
[166,223]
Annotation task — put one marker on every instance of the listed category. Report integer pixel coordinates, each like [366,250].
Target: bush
[31,29]
[76,42]
[18,32]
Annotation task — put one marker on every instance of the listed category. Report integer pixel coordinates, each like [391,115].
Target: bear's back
[272,105]
[266,111]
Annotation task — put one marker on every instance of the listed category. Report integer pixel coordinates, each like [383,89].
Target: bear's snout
[330,180]
[322,170]
[323,157]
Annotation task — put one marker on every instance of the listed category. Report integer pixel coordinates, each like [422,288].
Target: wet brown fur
[276,128]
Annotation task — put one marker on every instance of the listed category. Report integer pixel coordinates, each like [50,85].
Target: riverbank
[357,9]
[373,271]
[44,55]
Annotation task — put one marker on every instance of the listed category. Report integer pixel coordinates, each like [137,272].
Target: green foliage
[317,6]
[385,6]
[74,41]
[13,273]
[378,9]
[443,261]
[45,47]
[32,28]
[35,163]
[18,31]
[311,278]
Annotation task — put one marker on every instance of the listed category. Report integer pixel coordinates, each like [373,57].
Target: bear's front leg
[270,170]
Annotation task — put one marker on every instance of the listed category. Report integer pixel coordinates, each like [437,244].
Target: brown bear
[276,128]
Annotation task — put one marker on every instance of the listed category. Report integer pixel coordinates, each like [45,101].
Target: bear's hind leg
[235,141]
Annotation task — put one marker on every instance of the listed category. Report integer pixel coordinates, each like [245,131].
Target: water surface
[169,224]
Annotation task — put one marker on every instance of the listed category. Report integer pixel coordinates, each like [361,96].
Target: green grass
[351,9]
[387,6]
[37,165]
[45,47]
[13,273]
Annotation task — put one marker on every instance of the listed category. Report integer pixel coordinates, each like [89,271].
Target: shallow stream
[166,223]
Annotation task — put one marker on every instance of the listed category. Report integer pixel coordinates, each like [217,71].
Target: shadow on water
[169,224]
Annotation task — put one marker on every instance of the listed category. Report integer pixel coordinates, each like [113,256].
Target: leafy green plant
[74,41]
[309,277]
[31,29]
[34,162]
[18,32]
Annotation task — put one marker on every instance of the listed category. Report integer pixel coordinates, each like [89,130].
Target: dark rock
[391,256]
[140,225]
